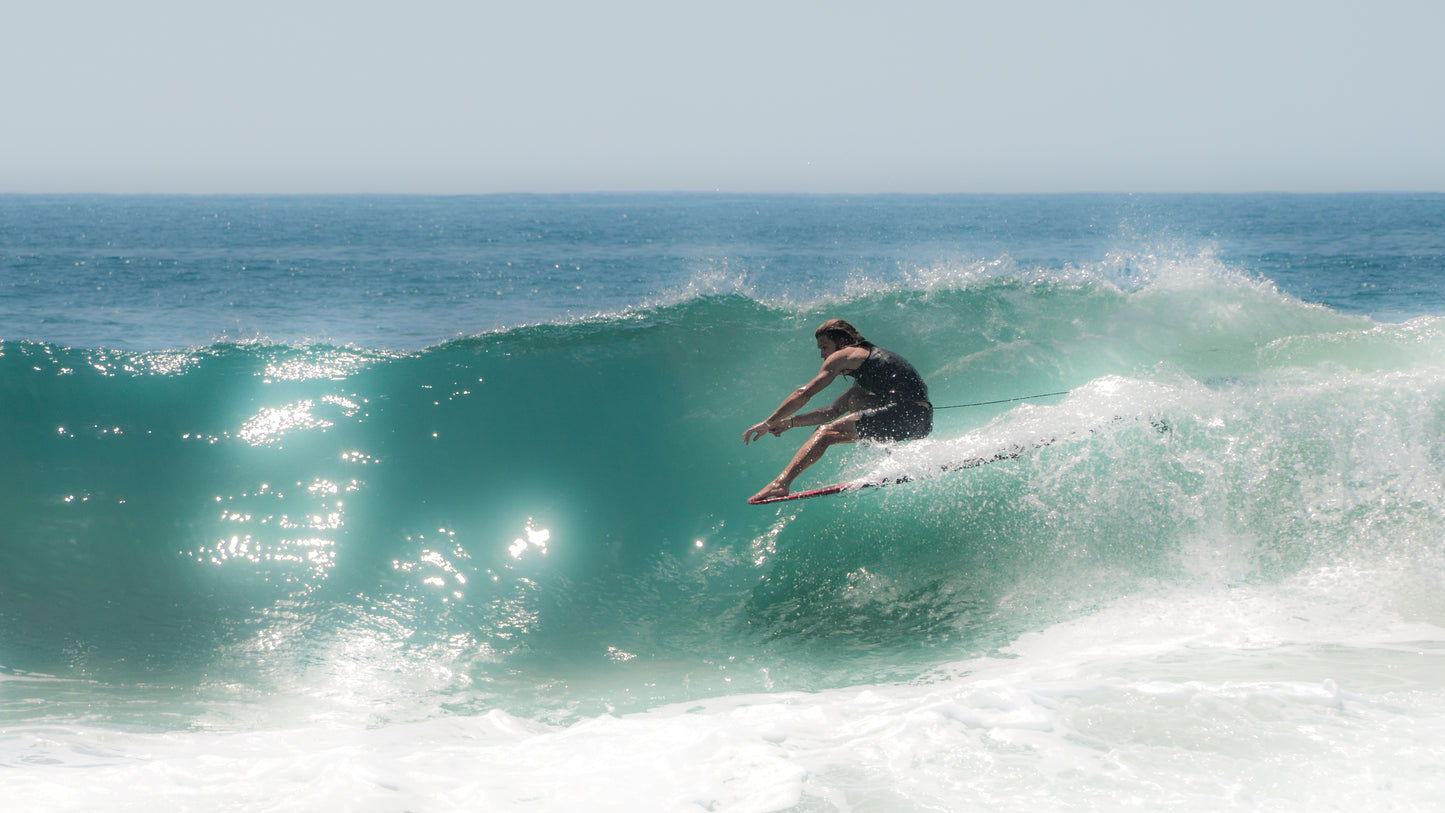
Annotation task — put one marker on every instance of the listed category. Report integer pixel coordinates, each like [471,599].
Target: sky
[930,96]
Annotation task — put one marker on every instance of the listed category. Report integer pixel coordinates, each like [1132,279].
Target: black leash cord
[1005,400]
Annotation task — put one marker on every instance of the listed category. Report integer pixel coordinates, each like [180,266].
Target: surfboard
[1008,453]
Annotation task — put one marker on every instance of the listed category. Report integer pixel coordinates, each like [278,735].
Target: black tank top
[890,377]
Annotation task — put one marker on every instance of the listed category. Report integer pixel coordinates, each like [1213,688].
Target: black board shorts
[906,420]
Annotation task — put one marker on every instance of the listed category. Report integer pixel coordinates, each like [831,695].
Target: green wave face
[553,517]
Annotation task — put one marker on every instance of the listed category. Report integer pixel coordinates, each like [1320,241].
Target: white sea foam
[1311,694]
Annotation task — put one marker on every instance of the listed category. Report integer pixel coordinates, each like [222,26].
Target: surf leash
[1005,400]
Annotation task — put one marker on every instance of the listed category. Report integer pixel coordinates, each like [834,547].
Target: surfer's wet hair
[841,333]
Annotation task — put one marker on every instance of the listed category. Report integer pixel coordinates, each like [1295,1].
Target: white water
[1325,692]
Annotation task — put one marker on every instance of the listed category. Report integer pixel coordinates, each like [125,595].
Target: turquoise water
[380,486]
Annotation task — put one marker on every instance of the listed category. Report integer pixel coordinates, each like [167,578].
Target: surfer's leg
[843,430]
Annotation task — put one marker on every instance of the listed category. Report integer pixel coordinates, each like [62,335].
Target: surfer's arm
[854,399]
[840,362]
[778,422]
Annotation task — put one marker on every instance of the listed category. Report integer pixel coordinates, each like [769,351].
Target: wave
[551,518]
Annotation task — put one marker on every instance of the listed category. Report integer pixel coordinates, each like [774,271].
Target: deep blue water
[148,273]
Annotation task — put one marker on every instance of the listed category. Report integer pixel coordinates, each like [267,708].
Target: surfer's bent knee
[825,434]
[835,432]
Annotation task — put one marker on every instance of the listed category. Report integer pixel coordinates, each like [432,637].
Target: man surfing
[888,401]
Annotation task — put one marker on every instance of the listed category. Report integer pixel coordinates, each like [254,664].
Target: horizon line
[732,193]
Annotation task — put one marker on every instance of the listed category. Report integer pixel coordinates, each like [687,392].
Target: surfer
[888,401]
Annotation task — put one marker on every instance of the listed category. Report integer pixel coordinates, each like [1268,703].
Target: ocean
[438,504]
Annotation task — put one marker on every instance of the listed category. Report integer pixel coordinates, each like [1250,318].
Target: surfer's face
[826,346]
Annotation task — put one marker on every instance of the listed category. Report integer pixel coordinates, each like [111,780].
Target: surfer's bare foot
[774,489]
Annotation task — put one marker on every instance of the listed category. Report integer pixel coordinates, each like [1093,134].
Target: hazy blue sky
[885,96]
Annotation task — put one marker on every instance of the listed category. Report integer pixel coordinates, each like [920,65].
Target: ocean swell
[551,519]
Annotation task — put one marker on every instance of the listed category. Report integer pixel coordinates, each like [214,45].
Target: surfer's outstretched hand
[757,430]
